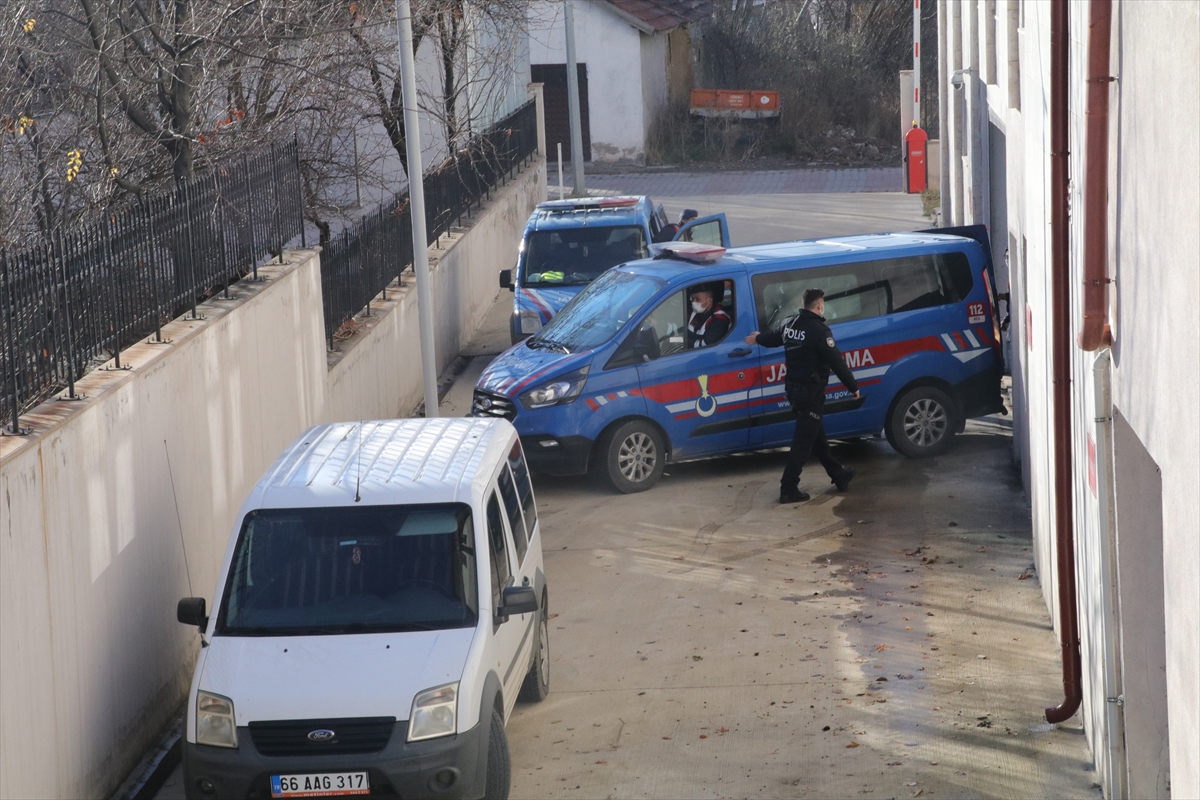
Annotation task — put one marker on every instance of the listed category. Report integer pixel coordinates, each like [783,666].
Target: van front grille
[314,737]
[486,404]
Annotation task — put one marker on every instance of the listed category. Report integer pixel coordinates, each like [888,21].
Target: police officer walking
[811,354]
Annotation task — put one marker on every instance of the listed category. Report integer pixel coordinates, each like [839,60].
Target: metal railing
[363,260]
[70,303]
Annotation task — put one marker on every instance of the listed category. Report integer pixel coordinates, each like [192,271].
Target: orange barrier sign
[735,103]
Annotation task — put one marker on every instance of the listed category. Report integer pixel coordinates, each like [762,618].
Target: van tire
[633,456]
[499,765]
[922,422]
[537,681]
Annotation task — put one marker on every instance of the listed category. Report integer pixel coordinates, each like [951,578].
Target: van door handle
[741,351]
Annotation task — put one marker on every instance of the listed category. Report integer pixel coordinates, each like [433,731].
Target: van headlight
[214,720]
[529,322]
[434,713]
[560,391]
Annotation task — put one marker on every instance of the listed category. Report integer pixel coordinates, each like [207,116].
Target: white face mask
[697,306]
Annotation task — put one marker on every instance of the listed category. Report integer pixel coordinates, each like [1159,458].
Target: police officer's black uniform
[811,354]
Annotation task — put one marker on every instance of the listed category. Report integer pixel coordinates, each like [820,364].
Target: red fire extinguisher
[915,145]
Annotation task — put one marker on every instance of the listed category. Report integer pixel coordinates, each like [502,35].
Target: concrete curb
[156,766]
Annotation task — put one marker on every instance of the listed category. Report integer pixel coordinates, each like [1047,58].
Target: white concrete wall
[612,50]
[1155,203]
[94,519]
[1154,259]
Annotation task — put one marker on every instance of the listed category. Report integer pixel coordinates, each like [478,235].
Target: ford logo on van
[321,735]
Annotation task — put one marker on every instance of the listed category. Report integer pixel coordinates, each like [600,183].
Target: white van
[381,606]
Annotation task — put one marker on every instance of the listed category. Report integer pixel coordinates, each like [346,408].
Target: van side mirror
[518,600]
[191,611]
[506,280]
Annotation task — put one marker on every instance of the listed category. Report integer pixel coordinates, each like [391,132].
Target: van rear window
[352,570]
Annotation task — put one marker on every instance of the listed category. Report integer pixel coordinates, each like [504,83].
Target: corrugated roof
[659,16]
[431,452]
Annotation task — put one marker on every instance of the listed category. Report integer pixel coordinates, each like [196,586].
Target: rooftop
[380,461]
[660,16]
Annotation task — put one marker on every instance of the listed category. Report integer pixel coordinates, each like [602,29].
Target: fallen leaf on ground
[704,736]
[879,648]
[852,744]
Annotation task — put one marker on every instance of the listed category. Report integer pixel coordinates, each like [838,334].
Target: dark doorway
[553,78]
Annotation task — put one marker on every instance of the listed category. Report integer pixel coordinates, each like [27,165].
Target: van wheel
[634,456]
[499,766]
[922,422]
[537,682]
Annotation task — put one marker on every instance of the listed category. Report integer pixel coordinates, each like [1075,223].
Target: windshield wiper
[549,344]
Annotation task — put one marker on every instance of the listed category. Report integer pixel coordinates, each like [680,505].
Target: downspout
[1061,353]
[1094,332]
[1114,701]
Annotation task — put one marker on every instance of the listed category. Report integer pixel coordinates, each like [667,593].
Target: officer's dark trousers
[808,404]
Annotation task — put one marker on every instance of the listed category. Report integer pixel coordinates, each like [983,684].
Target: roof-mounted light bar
[589,203]
[692,252]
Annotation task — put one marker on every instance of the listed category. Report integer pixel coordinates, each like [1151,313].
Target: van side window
[851,292]
[520,470]
[512,504]
[498,551]
[664,332]
[924,281]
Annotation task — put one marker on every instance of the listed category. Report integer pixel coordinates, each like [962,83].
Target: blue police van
[611,385]
[569,243]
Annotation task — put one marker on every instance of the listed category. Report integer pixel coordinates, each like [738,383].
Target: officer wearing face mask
[708,322]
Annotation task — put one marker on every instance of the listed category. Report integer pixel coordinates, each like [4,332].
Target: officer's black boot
[793,495]
[842,482]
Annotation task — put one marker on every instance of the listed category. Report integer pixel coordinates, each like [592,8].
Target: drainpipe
[1114,701]
[1095,333]
[1060,266]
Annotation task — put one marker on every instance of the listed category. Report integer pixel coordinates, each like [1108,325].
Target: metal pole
[416,197]
[573,100]
[562,192]
[916,62]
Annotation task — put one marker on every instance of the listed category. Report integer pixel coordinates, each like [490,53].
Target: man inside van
[708,322]
[811,355]
[669,230]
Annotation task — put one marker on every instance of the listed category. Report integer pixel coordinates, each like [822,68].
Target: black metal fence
[363,260]
[76,300]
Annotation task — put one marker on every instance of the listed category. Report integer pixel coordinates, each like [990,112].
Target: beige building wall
[1136,500]
[100,505]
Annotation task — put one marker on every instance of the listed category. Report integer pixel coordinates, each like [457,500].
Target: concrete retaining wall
[98,505]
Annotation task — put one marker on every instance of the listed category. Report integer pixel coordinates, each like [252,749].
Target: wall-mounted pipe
[1060,266]
[1094,332]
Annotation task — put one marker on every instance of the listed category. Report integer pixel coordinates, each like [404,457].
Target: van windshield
[352,570]
[575,256]
[595,315]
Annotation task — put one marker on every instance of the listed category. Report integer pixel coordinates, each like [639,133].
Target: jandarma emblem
[321,735]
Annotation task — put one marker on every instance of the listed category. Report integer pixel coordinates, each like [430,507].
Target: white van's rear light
[689,251]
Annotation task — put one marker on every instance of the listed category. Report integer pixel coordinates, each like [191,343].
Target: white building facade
[1135,412]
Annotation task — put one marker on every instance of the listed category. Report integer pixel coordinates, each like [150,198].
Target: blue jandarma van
[568,244]
[610,384]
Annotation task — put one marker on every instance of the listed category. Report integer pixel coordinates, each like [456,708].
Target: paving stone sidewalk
[792,181]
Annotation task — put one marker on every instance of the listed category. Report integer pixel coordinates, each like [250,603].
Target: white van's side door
[509,637]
